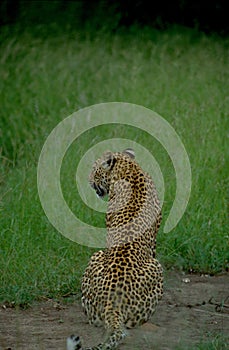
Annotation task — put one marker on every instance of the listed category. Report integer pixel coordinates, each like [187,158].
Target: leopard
[122,283]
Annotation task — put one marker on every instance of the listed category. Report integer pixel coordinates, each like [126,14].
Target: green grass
[215,342]
[48,73]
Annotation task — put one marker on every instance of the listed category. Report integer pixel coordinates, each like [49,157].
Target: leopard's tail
[113,323]
[116,335]
[74,342]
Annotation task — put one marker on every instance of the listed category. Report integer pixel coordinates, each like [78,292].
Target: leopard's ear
[108,161]
[129,152]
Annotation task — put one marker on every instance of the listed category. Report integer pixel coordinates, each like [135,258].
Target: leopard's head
[100,176]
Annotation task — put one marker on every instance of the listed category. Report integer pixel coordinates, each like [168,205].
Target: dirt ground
[194,308]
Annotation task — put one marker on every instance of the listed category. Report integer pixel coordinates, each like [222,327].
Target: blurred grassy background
[51,69]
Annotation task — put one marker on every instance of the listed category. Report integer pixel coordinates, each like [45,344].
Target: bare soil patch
[193,308]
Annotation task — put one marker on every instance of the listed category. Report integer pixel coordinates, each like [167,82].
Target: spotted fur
[123,283]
